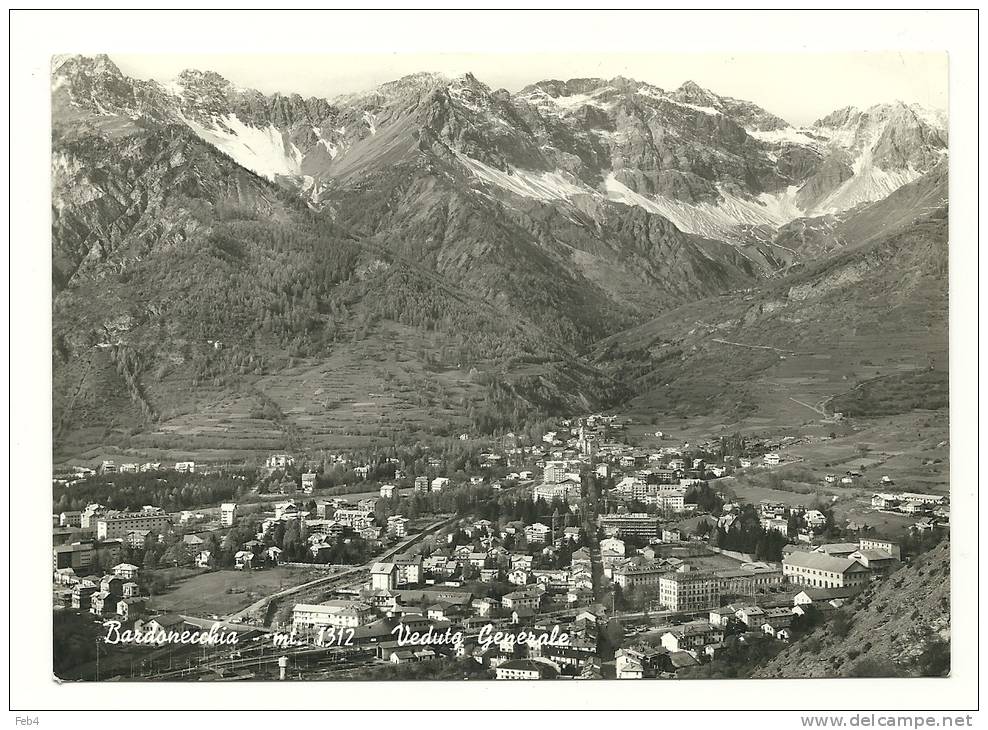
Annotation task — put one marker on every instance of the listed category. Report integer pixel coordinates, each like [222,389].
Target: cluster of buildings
[454,622]
[841,565]
[560,480]
[776,516]
[487,559]
[116,593]
[817,580]
[688,644]
[424,486]
[329,522]
[934,507]
[132,527]
[78,473]
[111,467]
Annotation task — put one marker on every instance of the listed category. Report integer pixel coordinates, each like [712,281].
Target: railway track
[330,581]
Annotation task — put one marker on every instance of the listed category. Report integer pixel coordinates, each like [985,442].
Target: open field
[912,449]
[754,494]
[886,524]
[221,592]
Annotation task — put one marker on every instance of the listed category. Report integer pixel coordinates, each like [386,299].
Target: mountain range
[234,270]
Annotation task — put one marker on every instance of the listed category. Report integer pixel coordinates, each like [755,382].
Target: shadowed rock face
[829,175]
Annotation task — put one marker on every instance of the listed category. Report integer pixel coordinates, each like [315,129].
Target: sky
[799,87]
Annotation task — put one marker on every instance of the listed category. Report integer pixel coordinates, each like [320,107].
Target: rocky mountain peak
[205,80]
[99,65]
[693,93]
[711,164]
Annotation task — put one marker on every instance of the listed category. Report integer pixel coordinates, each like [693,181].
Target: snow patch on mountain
[541,99]
[869,183]
[173,87]
[788,135]
[527,183]
[331,148]
[262,150]
[709,110]
[371,121]
[706,219]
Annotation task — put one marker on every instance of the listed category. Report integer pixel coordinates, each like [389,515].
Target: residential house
[537,533]
[721,617]
[397,526]
[552,579]
[384,576]
[161,626]
[691,636]
[409,569]
[126,571]
[751,616]
[519,577]
[527,669]
[522,599]
[129,609]
[485,607]
[82,594]
[309,619]
[279,461]
[103,602]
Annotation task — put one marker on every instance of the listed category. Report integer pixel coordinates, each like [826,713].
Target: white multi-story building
[308,619]
[537,532]
[398,526]
[356,519]
[554,471]
[228,514]
[279,461]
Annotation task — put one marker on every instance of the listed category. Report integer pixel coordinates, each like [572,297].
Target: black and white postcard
[419,367]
